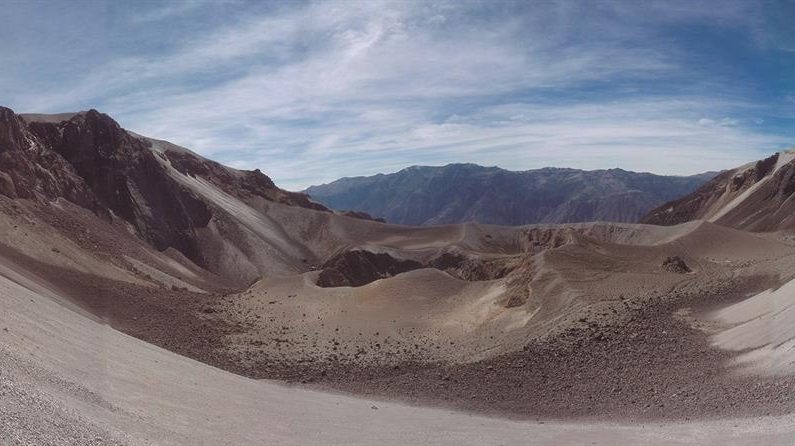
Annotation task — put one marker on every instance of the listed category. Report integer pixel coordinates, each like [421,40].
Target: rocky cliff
[88,159]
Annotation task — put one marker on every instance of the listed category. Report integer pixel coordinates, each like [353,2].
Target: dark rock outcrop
[358,267]
[11,130]
[127,179]
[675,264]
[362,216]
[473,268]
[30,169]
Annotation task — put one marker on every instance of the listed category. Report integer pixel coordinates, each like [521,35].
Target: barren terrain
[128,318]
[68,379]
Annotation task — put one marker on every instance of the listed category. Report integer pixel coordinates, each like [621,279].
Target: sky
[312,91]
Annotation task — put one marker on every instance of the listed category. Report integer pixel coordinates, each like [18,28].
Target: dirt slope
[67,379]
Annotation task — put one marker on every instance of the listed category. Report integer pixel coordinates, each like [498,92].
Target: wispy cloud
[167,11]
[312,91]
[641,136]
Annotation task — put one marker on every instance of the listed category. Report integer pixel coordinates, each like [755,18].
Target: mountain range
[458,193]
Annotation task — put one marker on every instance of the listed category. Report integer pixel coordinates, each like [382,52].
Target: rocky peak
[88,159]
[95,135]
[91,161]
[107,158]
[11,130]
[255,180]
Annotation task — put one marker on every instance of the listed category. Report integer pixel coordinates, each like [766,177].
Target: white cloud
[377,50]
[171,9]
[313,92]
[723,122]
[643,136]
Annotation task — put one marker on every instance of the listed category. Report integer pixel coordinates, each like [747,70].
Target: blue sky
[312,91]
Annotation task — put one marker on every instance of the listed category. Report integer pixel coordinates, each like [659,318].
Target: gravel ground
[67,379]
[645,365]
[650,367]
[29,415]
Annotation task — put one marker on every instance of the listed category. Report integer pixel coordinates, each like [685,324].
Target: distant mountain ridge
[456,193]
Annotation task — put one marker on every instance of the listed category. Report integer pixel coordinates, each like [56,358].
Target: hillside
[756,196]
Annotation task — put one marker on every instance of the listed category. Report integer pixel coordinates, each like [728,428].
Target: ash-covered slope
[459,193]
[756,197]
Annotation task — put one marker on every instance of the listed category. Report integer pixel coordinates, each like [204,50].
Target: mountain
[456,193]
[165,194]
[756,197]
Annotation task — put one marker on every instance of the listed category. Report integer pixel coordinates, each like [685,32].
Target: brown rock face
[88,159]
[11,130]
[357,268]
[127,179]
[32,170]
[699,203]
